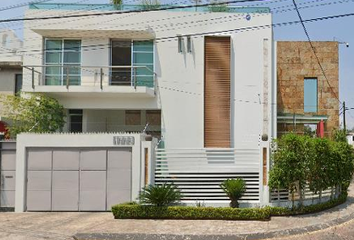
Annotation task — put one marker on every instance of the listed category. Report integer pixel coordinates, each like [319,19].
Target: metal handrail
[101,73]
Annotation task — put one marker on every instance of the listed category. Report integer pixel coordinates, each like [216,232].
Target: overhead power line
[314,50]
[125,12]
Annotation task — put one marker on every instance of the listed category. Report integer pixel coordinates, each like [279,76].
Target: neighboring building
[10,68]
[200,81]
[350,138]
[305,96]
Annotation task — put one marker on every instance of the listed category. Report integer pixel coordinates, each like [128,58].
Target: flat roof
[127,7]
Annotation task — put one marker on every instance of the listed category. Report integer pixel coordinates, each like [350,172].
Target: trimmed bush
[135,211]
[282,211]
[180,212]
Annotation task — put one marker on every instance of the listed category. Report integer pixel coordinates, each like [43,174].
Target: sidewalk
[224,230]
[62,226]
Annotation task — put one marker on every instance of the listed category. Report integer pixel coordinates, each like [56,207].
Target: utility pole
[344,123]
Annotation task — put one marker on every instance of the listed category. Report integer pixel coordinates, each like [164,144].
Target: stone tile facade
[295,62]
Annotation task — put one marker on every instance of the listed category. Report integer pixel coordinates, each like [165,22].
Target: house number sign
[118,140]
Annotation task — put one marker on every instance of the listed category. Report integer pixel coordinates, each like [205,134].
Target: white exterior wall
[180,76]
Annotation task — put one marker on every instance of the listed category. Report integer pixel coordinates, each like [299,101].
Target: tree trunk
[234,203]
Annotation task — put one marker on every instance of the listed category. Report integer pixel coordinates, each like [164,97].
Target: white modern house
[200,82]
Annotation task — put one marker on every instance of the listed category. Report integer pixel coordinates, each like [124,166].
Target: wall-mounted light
[189,44]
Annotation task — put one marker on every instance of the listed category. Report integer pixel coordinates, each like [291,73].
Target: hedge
[281,211]
[123,211]
[136,211]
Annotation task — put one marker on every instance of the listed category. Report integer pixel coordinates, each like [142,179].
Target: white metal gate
[74,179]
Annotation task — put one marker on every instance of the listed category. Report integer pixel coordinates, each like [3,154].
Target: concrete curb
[248,236]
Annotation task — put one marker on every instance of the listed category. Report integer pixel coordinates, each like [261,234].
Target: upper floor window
[18,83]
[310,95]
[138,57]
[62,60]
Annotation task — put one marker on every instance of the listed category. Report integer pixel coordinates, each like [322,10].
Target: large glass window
[62,60]
[140,55]
[310,95]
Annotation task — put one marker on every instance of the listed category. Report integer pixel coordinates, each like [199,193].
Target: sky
[339,29]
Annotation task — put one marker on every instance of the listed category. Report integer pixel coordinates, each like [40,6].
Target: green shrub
[322,163]
[180,212]
[136,211]
[282,211]
[290,163]
[234,189]
[160,195]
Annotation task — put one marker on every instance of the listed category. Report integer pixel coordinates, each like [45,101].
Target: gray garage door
[78,179]
[7,174]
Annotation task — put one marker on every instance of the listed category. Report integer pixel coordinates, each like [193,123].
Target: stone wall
[296,61]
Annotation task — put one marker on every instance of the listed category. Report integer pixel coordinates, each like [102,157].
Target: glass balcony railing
[125,7]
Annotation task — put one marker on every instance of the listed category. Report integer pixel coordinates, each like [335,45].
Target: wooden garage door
[217,92]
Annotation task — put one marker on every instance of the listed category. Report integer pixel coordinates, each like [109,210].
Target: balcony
[137,81]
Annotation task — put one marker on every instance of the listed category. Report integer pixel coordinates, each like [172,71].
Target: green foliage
[321,163]
[343,157]
[150,4]
[217,6]
[135,211]
[321,166]
[160,195]
[181,212]
[339,135]
[290,162]
[234,188]
[117,2]
[282,211]
[32,113]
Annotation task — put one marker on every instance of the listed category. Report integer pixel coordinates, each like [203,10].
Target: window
[62,60]
[75,118]
[18,83]
[310,95]
[153,117]
[140,55]
[132,117]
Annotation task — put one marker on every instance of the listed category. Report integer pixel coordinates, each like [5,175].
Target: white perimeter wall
[25,141]
[180,75]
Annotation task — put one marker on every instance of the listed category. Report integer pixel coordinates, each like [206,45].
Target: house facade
[10,69]
[307,98]
[200,82]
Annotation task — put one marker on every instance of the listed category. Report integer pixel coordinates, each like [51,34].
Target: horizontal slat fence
[284,195]
[198,173]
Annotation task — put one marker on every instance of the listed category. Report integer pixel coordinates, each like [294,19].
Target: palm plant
[234,189]
[117,4]
[150,4]
[160,195]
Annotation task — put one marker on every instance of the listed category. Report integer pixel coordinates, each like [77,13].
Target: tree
[32,113]
[290,164]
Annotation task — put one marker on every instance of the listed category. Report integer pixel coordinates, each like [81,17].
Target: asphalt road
[344,231]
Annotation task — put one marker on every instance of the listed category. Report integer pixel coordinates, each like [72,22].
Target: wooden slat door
[217,92]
